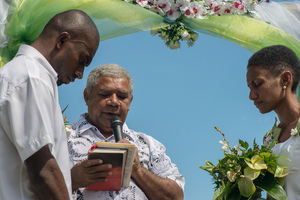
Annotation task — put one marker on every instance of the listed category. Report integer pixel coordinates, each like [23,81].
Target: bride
[273,76]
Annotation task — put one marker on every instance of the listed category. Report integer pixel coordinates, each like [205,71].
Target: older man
[33,143]
[109,93]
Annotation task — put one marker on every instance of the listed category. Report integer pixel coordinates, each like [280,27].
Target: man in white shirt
[109,93]
[33,143]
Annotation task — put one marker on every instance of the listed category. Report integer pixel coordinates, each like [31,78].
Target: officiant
[108,93]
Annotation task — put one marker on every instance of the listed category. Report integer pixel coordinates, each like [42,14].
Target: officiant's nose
[79,74]
[113,100]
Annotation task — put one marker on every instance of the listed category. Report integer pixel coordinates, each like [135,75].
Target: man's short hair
[109,70]
[76,22]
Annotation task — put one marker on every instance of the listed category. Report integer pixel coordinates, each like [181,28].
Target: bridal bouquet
[244,172]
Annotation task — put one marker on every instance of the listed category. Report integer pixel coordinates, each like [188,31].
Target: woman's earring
[284,87]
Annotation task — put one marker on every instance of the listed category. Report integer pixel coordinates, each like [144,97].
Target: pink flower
[171,12]
[236,4]
[195,10]
[217,8]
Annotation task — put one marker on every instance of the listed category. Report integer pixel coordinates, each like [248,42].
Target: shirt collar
[83,125]
[36,55]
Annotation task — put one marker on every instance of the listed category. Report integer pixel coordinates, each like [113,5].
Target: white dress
[289,149]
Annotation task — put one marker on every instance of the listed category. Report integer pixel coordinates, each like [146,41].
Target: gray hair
[110,70]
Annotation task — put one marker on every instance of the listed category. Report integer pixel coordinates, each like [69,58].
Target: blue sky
[179,96]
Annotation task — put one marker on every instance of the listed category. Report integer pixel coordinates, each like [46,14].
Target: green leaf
[224,160]
[266,156]
[251,173]
[246,186]
[272,186]
[208,167]
[277,192]
[227,192]
[64,109]
[280,171]
[267,183]
[244,144]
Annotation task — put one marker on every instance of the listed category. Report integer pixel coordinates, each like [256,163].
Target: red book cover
[113,183]
[117,158]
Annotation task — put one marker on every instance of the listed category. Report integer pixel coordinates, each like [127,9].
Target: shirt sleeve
[27,111]
[161,164]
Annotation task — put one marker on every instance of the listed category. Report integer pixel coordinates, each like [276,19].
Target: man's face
[109,97]
[73,57]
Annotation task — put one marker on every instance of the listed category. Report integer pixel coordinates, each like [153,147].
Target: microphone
[117,127]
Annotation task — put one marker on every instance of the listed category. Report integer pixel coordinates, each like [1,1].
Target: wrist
[137,171]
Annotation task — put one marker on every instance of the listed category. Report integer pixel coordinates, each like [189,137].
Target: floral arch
[24,23]
[250,24]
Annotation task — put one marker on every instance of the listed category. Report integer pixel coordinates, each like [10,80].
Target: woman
[273,75]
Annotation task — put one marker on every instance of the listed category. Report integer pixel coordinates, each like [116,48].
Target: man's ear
[61,39]
[86,96]
[130,102]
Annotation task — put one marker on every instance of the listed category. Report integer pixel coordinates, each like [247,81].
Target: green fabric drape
[247,32]
[113,18]
[116,18]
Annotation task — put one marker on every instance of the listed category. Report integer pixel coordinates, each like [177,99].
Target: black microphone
[117,127]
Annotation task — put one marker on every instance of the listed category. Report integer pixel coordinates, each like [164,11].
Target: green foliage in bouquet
[244,172]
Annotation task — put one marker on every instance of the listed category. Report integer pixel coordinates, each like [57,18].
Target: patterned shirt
[151,153]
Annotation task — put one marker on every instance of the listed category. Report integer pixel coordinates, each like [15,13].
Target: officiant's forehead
[111,82]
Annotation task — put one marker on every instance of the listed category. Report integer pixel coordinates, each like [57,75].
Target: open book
[121,156]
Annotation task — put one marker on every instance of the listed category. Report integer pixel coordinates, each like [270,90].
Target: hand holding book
[88,172]
[121,157]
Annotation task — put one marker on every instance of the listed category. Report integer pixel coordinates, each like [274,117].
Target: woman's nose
[252,95]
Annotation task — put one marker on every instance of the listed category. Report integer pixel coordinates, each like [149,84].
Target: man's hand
[153,186]
[136,163]
[88,172]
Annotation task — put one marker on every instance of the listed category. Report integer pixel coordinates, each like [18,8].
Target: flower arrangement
[174,33]
[174,11]
[244,172]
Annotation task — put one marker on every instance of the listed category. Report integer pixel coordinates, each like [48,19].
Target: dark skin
[68,58]
[42,168]
[110,97]
[93,170]
[268,94]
